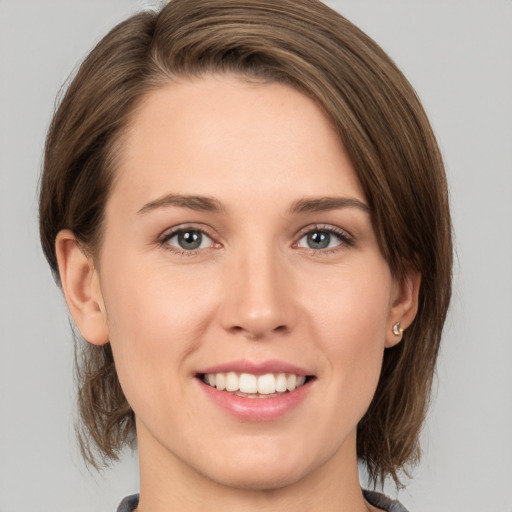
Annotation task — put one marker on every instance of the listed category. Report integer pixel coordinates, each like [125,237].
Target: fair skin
[237,238]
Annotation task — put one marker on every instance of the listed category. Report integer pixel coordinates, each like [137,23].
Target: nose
[258,296]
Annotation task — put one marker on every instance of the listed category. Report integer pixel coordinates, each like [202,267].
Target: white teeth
[291,382]
[281,383]
[266,384]
[232,382]
[249,384]
[220,381]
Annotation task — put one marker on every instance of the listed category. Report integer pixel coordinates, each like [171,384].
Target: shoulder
[129,503]
[383,502]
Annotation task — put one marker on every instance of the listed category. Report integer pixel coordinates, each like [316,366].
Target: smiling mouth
[248,385]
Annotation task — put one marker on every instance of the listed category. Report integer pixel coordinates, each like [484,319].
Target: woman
[247,212]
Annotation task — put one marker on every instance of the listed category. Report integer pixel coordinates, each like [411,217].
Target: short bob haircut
[310,47]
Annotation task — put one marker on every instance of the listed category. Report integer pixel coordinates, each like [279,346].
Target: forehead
[218,135]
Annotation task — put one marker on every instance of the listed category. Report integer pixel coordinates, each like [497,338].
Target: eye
[319,239]
[188,239]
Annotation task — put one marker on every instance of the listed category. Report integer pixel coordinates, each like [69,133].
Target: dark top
[380,501]
[374,498]
[129,503]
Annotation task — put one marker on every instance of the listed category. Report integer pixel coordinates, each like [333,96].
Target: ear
[404,306]
[81,287]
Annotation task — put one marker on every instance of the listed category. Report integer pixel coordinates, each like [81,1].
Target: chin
[269,469]
[258,479]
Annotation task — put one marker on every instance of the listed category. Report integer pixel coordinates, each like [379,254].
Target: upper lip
[256,368]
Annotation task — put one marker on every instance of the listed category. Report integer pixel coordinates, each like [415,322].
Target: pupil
[319,240]
[190,239]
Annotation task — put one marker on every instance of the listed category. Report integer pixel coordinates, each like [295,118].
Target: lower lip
[257,409]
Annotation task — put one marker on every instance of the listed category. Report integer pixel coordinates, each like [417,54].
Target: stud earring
[397,329]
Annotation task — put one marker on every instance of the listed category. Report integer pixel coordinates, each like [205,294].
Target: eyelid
[169,233]
[346,238]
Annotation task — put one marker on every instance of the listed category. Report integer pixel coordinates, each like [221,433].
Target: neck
[168,483]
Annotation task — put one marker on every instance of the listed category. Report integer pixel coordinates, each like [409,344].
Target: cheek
[154,321]
[351,306]
[350,318]
[147,302]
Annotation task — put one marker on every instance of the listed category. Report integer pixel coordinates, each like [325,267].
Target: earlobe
[404,307]
[81,287]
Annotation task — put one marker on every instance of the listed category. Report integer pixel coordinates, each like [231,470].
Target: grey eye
[319,239]
[190,240]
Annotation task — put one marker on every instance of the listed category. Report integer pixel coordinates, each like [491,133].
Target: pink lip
[246,366]
[256,409]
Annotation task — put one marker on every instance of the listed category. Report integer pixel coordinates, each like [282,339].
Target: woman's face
[238,251]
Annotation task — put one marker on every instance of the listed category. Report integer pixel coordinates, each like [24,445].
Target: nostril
[257,332]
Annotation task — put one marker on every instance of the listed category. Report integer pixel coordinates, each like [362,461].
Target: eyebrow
[198,203]
[210,204]
[322,204]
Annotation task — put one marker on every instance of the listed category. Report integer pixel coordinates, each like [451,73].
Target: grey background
[458,55]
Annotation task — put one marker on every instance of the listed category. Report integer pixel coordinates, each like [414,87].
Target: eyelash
[168,235]
[344,238]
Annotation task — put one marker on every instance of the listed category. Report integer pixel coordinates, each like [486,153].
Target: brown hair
[310,47]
